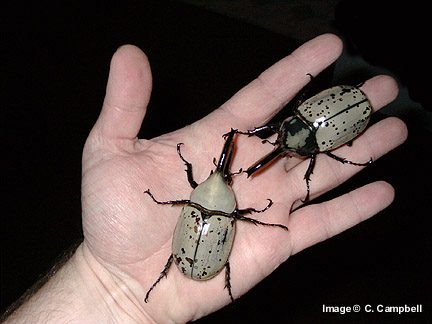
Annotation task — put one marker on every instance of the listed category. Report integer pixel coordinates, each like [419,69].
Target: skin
[128,237]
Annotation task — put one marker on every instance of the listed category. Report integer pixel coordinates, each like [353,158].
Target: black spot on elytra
[177,259]
[225,236]
[183,251]
[190,261]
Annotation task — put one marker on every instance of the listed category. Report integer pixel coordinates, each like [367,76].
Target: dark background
[201,53]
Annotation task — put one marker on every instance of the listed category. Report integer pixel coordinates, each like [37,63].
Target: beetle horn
[227,153]
[265,160]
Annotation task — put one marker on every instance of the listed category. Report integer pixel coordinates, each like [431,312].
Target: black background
[57,60]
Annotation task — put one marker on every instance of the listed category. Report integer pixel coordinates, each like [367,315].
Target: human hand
[128,236]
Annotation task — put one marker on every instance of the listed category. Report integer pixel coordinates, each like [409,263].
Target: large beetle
[331,118]
[204,233]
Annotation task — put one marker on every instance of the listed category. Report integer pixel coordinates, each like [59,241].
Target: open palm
[130,235]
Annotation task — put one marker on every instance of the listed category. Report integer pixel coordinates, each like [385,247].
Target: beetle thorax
[298,137]
[214,194]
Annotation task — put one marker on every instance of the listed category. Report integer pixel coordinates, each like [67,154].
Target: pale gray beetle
[331,118]
[204,233]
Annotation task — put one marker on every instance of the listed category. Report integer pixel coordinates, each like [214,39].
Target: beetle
[204,234]
[329,119]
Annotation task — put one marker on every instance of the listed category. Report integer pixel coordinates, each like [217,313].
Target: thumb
[127,95]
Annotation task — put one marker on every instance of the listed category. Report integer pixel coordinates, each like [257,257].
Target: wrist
[112,293]
[82,291]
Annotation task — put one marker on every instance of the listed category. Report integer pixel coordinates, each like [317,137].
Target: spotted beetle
[204,233]
[331,118]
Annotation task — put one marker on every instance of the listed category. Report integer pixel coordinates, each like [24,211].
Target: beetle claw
[237,173]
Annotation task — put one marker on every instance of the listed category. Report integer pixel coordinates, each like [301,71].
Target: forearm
[81,291]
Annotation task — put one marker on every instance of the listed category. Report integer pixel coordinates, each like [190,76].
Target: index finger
[261,99]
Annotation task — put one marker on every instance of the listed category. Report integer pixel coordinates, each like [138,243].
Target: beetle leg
[270,142]
[188,168]
[301,97]
[253,210]
[228,280]
[345,161]
[307,175]
[256,222]
[271,127]
[360,84]
[169,202]
[162,274]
